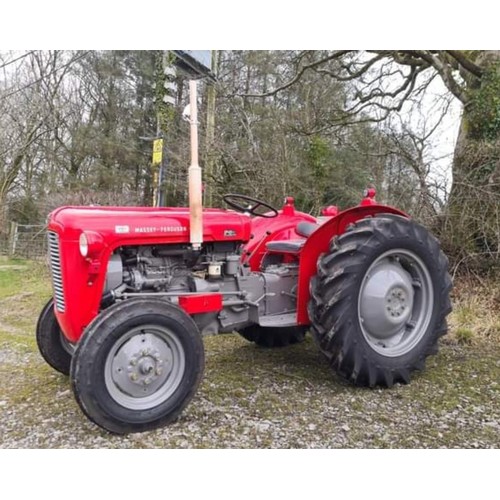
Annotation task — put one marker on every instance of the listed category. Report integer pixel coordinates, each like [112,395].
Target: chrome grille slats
[55,268]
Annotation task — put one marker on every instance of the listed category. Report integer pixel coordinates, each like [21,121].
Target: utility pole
[210,134]
[165,92]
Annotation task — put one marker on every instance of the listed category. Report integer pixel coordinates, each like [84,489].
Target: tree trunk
[472,222]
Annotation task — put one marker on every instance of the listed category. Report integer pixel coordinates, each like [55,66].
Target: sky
[442,143]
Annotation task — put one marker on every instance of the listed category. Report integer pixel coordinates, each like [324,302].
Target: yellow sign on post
[157,151]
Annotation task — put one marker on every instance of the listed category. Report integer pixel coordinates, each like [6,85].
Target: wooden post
[194,174]
[12,238]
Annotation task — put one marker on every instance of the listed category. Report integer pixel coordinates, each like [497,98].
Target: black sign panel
[196,63]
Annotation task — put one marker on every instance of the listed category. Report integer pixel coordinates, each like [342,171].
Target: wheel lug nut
[133,377]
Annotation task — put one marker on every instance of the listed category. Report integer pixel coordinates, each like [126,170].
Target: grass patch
[18,277]
[24,289]
[476,310]
[464,335]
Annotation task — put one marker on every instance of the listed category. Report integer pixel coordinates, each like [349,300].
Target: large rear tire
[138,365]
[379,300]
[53,346]
[272,336]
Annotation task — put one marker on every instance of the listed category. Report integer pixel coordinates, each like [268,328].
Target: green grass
[476,311]
[464,335]
[19,277]
[24,289]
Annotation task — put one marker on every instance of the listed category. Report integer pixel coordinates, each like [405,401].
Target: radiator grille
[55,267]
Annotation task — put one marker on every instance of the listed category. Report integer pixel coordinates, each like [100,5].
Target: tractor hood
[125,225]
[79,269]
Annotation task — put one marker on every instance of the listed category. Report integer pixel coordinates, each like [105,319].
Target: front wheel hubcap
[144,367]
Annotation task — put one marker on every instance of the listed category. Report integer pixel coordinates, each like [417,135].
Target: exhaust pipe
[194,174]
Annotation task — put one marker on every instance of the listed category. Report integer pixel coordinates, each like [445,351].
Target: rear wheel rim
[144,367]
[396,302]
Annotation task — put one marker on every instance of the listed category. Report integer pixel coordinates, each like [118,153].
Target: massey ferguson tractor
[136,289]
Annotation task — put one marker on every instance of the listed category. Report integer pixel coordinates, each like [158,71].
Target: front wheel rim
[396,302]
[144,367]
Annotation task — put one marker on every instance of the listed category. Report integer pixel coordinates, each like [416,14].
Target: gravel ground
[253,397]
[286,398]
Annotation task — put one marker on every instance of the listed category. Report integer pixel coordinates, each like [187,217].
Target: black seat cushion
[305,229]
[285,246]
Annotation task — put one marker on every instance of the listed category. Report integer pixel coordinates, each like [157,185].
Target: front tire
[53,346]
[138,365]
[379,300]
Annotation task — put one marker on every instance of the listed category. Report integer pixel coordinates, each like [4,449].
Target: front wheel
[55,349]
[138,365]
[380,299]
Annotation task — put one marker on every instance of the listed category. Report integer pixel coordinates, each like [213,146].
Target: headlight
[91,244]
[84,245]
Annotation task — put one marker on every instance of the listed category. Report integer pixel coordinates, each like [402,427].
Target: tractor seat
[304,229]
[285,246]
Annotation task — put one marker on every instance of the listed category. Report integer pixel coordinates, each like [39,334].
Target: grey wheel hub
[144,367]
[395,302]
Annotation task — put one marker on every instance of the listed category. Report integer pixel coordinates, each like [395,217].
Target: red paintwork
[330,211]
[201,303]
[265,230]
[84,278]
[368,198]
[318,243]
[112,227]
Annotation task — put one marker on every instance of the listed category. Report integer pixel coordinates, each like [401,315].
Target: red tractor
[135,289]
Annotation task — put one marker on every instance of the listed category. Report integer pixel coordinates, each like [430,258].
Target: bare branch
[466,63]
[445,71]
[351,74]
[336,55]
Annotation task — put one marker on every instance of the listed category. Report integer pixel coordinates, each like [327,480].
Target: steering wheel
[251,207]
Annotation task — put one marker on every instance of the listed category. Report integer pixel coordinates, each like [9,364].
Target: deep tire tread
[334,288]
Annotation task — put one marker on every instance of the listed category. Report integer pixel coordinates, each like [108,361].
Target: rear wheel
[380,299]
[273,337]
[55,349]
[138,365]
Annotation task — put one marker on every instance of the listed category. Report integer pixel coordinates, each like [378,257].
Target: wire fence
[27,241]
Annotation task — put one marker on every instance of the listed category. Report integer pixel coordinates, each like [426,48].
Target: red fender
[318,243]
